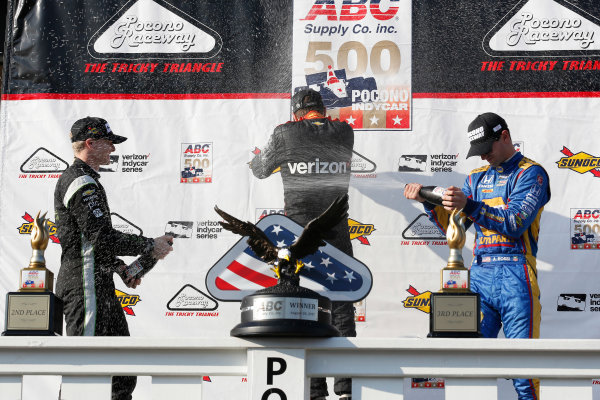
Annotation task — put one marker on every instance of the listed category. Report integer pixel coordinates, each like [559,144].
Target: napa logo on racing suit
[153,29]
[43,164]
[360,231]
[417,300]
[127,301]
[550,27]
[27,227]
[580,162]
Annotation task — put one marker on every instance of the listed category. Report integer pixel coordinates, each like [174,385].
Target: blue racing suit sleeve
[529,195]
[440,216]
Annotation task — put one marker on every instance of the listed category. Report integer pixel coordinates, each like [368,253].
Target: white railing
[278,368]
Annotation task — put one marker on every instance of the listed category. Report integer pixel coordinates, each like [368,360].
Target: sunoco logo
[154,29]
[127,301]
[580,162]
[420,301]
[536,26]
[27,227]
[360,231]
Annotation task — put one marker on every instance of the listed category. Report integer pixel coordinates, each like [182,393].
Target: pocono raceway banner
[198,87]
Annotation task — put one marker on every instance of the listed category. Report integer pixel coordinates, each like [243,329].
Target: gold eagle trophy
[455,309]
[34,310]
[287,309]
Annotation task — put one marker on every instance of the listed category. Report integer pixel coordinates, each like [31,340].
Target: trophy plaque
[34,310]
[455,309]
[287,309]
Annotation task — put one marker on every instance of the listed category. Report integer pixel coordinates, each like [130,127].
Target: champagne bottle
[140,266]
[432,194]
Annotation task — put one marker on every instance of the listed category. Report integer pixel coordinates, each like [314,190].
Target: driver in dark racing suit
[90,245]
[314,154]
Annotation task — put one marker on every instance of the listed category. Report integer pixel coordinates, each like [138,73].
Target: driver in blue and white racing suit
[504,201]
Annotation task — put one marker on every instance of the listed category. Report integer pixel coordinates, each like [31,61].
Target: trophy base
[455,315]
[33,314]
[285,310]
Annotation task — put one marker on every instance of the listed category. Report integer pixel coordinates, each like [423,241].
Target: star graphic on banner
[295,239]
[397,120]
[350,120]
[374,120]
[349,275]
[326,262]
[331,277]
[281,243]
[277,229]
[309,265]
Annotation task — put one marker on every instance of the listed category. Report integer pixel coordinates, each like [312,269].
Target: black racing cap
[307,98]
[94,128]
[483,132]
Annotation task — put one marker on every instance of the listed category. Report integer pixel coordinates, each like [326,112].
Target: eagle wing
[320,228]
[257,240]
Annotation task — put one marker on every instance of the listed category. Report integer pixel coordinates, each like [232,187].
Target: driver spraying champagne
[504,202]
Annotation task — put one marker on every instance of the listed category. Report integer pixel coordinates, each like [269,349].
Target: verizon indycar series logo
[240,272]
[580,162]
[585,228]
[128,301]
[578,302]
[127,163]
[43,164]
[156,29]
[205,229]
[27,227]
[190,301]
[439,162]
[544,27]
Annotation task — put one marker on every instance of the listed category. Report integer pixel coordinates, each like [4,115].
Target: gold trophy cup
[455,309]
[34,310]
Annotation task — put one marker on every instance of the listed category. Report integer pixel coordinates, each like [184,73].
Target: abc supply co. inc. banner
[198,88]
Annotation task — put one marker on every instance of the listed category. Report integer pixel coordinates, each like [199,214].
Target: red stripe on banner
[502,95]
[144,96]
[251,275]
[221,284]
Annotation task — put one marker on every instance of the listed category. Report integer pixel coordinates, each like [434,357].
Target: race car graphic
[335,89]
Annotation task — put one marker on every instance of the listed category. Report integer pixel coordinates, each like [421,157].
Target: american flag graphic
[329,271]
